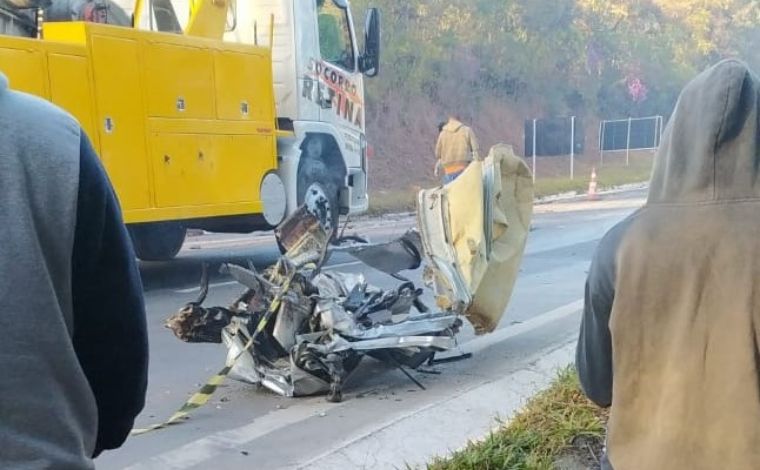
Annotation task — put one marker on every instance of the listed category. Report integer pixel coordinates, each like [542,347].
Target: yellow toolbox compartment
[184,125]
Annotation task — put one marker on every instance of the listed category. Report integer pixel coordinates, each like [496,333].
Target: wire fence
[554,137]
[557,147]
[625,135]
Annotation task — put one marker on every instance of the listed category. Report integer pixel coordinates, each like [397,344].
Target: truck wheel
[321,200]
[157,241]
[319,179]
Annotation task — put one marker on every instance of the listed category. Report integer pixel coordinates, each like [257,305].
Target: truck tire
[321,199]
[157,241]
[320,177]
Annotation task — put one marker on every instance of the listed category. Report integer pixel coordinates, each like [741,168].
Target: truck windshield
[335,42]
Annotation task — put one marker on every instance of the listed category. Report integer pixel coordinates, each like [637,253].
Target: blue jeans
[451,177]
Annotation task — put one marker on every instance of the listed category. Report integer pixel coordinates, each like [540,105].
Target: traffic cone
[592,194]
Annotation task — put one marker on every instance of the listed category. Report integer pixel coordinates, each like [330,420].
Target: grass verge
[404,200]
[558,428]
[607,177]
[393,201]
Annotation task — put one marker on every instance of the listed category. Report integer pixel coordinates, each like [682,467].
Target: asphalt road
[243,427]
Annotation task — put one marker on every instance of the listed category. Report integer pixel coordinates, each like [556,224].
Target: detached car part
[474,232]
[472,236]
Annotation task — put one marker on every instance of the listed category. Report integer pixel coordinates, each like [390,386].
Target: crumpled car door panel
[474,232]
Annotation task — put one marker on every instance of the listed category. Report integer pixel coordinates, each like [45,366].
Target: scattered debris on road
[326,322]
[300,330]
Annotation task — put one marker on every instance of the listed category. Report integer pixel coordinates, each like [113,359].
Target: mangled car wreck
[300,330]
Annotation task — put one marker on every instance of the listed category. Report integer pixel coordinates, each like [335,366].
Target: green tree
[502,61]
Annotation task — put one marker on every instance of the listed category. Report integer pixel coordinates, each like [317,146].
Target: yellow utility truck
[220,115]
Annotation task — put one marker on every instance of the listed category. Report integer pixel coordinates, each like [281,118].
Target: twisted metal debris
[324,323]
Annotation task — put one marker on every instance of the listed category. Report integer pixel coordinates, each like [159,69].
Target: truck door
[339,79]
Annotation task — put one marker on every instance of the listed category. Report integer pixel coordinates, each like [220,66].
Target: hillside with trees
[499,62]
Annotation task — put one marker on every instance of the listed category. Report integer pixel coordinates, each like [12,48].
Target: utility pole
[628,145]
[534,151]
[572,148]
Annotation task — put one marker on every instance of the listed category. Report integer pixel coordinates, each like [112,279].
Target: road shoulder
[446,425]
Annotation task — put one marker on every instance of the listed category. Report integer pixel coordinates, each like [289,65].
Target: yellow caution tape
[202,396]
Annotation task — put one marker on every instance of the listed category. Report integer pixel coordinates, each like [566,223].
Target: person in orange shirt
[456,148]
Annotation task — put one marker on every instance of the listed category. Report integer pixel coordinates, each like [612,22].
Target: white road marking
[193,245]
[440,427]
[206,448]
[211,286]
[486,341]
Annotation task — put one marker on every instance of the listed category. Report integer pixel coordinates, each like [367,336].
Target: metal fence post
[534,151]
[628,145]
[572,148]
[659,138]
[601,142]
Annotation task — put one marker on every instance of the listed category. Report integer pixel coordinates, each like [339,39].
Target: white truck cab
[319,74]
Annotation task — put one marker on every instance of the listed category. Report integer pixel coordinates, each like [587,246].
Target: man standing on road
[670,337]
[73,341]
[456,148]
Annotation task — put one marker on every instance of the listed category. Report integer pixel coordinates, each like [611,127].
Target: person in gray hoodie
[670,337]
[73,341]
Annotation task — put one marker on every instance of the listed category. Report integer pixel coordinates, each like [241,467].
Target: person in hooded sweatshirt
[670,337]
[456,148]
[73,342]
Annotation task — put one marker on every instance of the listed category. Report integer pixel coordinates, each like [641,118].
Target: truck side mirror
[232,17]
[369,62]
